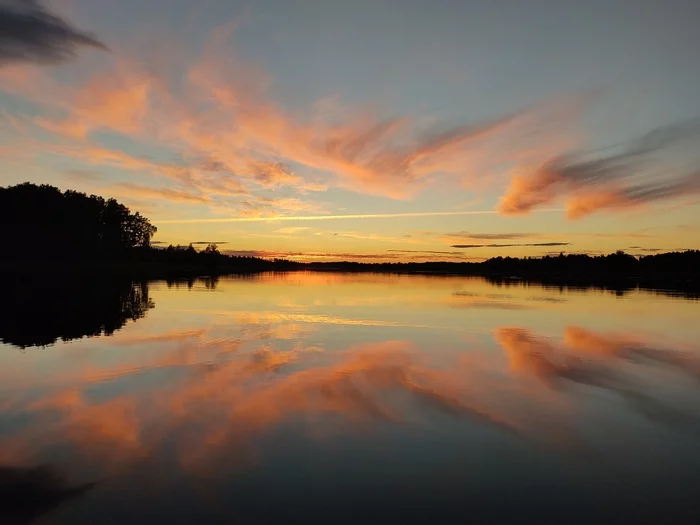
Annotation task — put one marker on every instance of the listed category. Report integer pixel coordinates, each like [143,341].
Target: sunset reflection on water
[361,397]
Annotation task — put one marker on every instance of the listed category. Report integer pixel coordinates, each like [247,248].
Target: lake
[347,398]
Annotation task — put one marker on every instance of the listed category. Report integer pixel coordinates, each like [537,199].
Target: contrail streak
[334,217]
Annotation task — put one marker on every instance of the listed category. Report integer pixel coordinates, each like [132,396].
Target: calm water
[330,398]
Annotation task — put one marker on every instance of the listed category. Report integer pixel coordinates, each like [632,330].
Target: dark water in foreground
[330,398]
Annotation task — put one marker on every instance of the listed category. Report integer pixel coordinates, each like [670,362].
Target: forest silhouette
[46,223]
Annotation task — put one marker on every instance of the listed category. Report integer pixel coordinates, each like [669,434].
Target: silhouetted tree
[43,222]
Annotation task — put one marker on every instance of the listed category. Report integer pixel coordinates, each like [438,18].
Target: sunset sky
[368,129]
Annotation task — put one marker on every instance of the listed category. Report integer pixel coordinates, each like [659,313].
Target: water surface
[347,398]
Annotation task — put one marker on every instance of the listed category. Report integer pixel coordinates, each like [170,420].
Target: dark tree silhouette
[43,222]
[677,272]
[680,265]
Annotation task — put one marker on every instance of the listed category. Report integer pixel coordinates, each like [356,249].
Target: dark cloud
[82,175]
[397,255]
[510,245]
[309,255]
[590,253]
[633,158]
[350,255]
[645,249]
[438,258]
[492,236]
[30,33]
[425,251]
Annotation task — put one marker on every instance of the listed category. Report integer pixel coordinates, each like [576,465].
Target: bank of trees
[684,264]
[43,222]
[48,228]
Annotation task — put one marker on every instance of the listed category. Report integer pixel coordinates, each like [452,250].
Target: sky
[371,130]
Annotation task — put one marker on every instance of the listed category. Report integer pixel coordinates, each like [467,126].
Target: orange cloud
[118,102]
[646,172]
[221,122]
[127,189]
[214,113]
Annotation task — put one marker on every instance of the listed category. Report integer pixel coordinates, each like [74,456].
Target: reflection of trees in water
[31,492]
[40,312]
[209,282]
[619,287]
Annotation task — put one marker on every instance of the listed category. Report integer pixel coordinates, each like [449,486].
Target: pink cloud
[659,166]
[221,122]
[215,115]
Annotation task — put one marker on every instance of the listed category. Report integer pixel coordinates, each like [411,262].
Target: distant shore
[681,283]
[88,235]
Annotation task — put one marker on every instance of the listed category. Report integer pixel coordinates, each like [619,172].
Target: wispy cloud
[348,216]
[495,236]
[290,230]
[31,33]
[491,236]
[225,137]
[389,256]
[214,115]
[510,245]
[366,237]
[309,255]
[127,189]
[426,251]
[663,164]
[82,175]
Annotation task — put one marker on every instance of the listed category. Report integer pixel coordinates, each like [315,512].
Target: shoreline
[683,285]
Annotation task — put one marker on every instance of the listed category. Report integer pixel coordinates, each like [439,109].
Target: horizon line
[334,217]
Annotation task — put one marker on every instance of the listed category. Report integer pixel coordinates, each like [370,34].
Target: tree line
[45,224]
[681,264]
